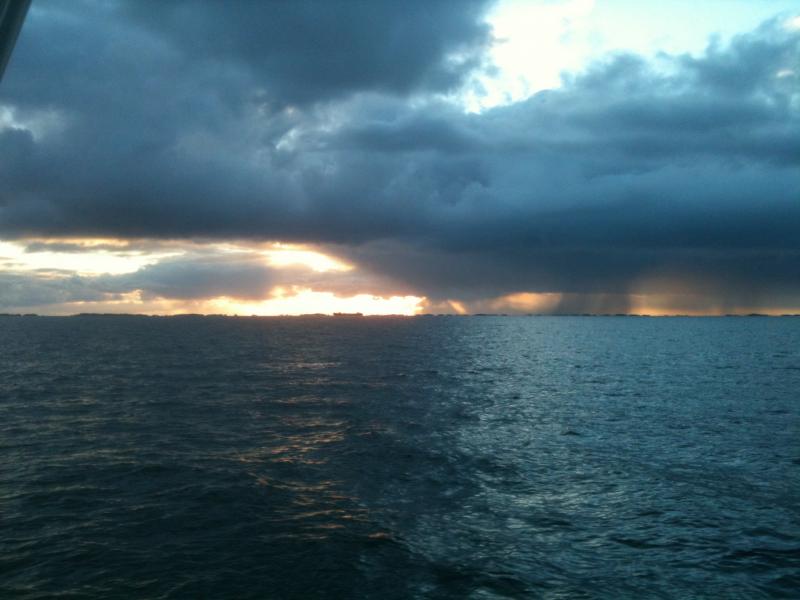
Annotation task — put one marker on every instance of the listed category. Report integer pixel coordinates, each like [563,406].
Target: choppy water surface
[399,458]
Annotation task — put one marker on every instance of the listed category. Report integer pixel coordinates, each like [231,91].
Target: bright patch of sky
[284,255]
[13,257]
[537,40]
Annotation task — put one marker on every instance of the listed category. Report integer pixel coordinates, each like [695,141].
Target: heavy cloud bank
[335,125]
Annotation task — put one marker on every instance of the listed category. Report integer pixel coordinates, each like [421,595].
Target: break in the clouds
[340,126]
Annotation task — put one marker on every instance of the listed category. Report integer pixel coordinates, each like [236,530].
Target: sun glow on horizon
[55,260]
[308,301]
[136,276]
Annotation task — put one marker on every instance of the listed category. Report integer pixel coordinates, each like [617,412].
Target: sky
[384,157]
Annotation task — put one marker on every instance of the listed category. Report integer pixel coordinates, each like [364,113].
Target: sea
[399,457]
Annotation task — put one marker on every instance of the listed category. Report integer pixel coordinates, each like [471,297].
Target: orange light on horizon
[458,307]
[297,290]
[307,301]
[532,302]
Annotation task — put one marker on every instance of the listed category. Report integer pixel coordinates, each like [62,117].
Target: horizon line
[427,315]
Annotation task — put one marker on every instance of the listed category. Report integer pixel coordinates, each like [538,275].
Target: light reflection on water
[396,458]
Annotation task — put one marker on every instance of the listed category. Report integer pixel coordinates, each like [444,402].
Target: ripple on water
[399,458]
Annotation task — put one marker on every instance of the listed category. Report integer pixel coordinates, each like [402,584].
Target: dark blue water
[399,458]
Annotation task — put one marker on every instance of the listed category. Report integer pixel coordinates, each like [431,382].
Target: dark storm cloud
[158,137]
[472,275]
[628,172]
[303,51]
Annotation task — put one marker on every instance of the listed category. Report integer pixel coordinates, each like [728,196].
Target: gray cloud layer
[293,122]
